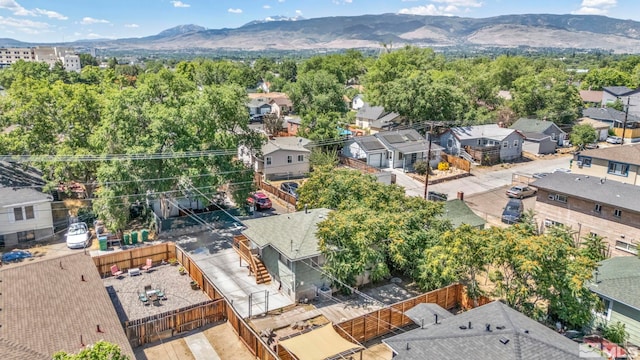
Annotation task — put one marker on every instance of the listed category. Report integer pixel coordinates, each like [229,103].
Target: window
[585,161]
[553,136]
[1,241]
[28,211]
[505,144]
[23,213]
[617,213]
[550,223]
[598,208]
[400,156]
[515,143]
[620,169]
[289,159]
[605,311]
[17,214]
[628,247]
[26,236]
[479,142]
[268,160]
[300,158]
[561,198]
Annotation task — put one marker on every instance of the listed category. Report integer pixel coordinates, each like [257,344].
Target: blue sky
[68,20]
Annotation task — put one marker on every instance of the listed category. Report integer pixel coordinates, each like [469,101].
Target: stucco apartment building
[47,54]
[591,205]
[618,163]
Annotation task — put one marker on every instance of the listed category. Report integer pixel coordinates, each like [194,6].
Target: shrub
[421,167]
[443,166]
[615,333]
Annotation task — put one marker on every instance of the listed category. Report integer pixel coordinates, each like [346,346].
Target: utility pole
[426,178]
[624,124]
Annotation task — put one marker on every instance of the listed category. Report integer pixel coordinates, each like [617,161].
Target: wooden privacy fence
[358,164]
[457,162]
[197,274]
[134,258]
[166,325]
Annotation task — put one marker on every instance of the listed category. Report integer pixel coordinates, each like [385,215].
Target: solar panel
[372,145]
[410,137]
[393,139]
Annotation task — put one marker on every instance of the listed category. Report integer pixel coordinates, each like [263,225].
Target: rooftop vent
[462,327]
[503,340]
[501,327]
[488,327]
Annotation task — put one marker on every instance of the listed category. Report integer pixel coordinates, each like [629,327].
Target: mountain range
[370,31]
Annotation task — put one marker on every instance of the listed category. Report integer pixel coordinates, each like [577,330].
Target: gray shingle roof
[616,194]
[608,114]
[369,143]
[490,131]
[46,308]
[619,279]
[617,90]
[407,141]
[533,125]
[425,313]
[370,112]
[12,174]
[289,143]
[293,235]
[629,154]
[518,338]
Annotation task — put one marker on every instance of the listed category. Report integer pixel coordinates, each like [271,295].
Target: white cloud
[235,11]
[423,10]
[595,7]
[50,14]
[180,4]
[89,20]
[460,3]
[299,12]
[280,1]
[98,36]
[15,8]
[25,26]
[266,7]
[131,25]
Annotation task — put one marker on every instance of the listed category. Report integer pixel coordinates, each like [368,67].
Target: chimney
[488,327]
[61,265]
[469,324]
[98,328]
[436,316]
[82,278]
[81,341]
[461,195]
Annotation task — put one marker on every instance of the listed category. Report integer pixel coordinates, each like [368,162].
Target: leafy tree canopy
[102,350]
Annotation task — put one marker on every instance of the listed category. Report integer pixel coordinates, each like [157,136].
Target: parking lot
[489,204]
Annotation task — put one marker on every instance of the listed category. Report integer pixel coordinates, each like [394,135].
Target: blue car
[15,256]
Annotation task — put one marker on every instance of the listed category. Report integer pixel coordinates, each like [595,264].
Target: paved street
[482,179]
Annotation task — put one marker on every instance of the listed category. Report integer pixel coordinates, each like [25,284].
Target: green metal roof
[459,213]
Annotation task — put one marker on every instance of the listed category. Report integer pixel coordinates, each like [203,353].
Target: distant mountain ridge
[275,18]
[370,31]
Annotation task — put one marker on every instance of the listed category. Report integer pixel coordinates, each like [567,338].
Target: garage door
[375,160]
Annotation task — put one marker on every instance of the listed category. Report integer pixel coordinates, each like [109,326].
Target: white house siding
[281,168]
[630,317]
[512,151]
[41,224]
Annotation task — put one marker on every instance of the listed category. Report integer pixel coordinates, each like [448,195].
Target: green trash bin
[145,235]
[103,242]
[134,238]
[126,239]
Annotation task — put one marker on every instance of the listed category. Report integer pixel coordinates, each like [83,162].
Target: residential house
[591,98]
[622,124]
[392,149]
[59,304]
[601,128]
[375,118]
[617,283]
[358,102]
[619,163]
[288,247]
[279,158]
[259,106]
[25,211]
[540,136]
[626,96]
[484,141]
[293,124]
[491,331]
[281,106]
[591,206]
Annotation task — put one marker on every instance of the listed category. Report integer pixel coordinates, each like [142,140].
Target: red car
[261,200]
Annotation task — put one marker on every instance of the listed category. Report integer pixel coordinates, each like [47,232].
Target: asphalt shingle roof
[619,279]
[46,307]
[370,112]
[533,125]
[369,143]
[12,174]
[617,90]
[490,131]
[290,143]
[629,154]
[609,114]
[9,196]
[293,235]
[591,96]
[407,141]
[616,194]
[518,337]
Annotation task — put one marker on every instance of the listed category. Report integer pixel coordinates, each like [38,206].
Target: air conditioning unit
[579,163]
[548,223]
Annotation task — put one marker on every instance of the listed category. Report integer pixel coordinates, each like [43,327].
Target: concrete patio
[213,252]
[125,289]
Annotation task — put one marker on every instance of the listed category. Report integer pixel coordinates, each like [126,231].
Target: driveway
[482,179]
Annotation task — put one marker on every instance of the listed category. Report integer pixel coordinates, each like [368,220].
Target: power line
[117,157]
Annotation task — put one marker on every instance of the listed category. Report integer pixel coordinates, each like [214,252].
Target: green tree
[616,332]
[288,70]
[317,93]
[101,350]
[582,134]
[88,60]
[594,247]
[596,79]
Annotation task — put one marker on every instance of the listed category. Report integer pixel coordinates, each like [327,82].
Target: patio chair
[161,294]
[148,266]
[147,288]
[115,271]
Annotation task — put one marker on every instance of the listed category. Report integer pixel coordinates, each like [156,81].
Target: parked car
[521,192]
[256,118]
[591,146]
[614,140]
[539,175]
[436,196]
[261,201]
[78,236]
[290,187]
[15,256]
[513,211]
[564,170]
